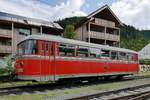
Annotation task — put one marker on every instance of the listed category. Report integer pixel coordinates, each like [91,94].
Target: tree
[70,21]
[69,32]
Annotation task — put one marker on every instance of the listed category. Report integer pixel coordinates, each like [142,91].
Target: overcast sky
[131,12]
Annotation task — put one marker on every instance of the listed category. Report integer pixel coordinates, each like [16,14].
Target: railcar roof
[77,42]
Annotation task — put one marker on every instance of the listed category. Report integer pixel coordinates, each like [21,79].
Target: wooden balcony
[107,36]
[5,49]
[104,22]
[5,33]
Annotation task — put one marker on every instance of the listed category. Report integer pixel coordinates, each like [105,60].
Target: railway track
[141,92]
[44,88]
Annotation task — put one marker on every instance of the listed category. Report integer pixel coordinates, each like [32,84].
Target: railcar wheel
[107,77]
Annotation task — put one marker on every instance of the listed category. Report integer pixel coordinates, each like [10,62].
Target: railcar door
[52,61]
[45,61]
[105,55]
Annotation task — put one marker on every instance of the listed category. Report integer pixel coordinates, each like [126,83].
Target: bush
[144,61]
[7,69]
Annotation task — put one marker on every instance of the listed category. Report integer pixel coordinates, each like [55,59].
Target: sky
[130,12]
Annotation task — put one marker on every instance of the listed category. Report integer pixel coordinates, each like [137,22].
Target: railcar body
[50,58]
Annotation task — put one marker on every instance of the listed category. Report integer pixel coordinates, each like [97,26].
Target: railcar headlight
[20,70]
[21,64]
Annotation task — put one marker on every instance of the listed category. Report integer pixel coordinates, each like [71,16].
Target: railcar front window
[28,47]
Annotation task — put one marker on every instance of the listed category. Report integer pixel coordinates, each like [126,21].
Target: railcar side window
[105,53]
[94,53]
[82,51]
[62,49]
[114,55]
[51,48]
[122,56]
[66,50]
[70,50]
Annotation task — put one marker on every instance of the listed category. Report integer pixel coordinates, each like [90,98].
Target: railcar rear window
[122,56]
[129,56]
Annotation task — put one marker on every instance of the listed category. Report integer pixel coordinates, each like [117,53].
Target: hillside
[131,37]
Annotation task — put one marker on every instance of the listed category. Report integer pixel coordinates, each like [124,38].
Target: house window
[23,31]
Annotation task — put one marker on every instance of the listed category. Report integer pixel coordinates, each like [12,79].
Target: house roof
[30,21]
[101,9]
[87,18]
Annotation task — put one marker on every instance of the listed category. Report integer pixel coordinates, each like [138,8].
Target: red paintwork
[46,67]
[51,66]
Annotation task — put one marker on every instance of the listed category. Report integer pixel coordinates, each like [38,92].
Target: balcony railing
[104,22]
[5,49]
[107,36]
[5,33]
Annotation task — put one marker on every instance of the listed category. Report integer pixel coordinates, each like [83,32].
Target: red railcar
[50,58]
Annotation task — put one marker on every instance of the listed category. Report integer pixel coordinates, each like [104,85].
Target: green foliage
[69,32]
[8,69]
[70,21]
[133,43]
[132,38]
[144,61]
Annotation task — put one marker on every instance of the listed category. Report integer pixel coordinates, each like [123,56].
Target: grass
[55,93]
[24,83]
[144,73]
[13,84]
[60,93]
[19,83]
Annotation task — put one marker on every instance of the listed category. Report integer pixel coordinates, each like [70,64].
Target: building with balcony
[14,28]
[101,26]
